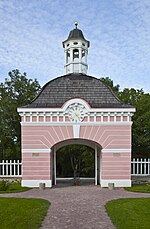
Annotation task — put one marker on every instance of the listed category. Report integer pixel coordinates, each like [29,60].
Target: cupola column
[69,68]
[66,56]
[86,52]
[80,55]
[80,60]
[71,55]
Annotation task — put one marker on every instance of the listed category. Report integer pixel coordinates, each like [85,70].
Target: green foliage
[145,188]
[141,124]
[107,81]
[75,160]
[141,127]
[129,213]
[20,213]
[130,96]
[13,187]
[4,185]
[16,91]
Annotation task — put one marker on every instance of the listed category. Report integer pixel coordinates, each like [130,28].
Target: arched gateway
[79,141]
[76,108]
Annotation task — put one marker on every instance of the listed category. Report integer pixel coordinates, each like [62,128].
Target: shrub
[4,185]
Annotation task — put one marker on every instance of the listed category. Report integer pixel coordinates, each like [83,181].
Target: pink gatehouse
[76,109]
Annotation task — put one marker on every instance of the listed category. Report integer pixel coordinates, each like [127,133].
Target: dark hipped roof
[76,34]
[59,90]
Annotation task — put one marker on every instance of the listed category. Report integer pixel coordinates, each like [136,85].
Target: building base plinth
[35,183]
[117,183]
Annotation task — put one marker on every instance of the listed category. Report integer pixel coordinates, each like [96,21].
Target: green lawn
[140,188]
[16,213]
[130,213]
[15,187]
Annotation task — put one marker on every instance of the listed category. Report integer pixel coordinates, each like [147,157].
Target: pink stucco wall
[44,137]
[39,166]
[36,167]
[116,166]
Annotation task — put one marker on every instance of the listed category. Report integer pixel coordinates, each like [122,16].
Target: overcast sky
[32,31]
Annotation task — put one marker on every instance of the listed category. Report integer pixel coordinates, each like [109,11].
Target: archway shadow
[70,183]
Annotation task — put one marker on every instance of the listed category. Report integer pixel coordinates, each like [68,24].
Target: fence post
[137,166]
[10,167]
[14,168]
[3,168]
[6,167]
[145,166]
[18,167]
[133,165]
[141,164]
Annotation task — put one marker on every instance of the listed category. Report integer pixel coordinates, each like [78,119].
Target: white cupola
[76,50]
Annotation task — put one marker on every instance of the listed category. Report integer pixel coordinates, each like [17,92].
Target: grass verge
[19,213]
[15,187]
[145,188]
[129,213]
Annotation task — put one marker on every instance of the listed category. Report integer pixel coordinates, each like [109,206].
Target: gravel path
[80,207]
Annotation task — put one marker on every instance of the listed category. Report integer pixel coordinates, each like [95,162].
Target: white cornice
[29,110]
[71,123]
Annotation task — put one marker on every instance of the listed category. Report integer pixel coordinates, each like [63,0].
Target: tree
[75,161]
[16,91]
[141,127]
[107,81]
[130,96]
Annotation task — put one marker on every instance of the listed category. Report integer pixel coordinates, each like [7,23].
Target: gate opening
[76,162]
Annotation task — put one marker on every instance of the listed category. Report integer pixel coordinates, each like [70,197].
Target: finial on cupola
[76,24]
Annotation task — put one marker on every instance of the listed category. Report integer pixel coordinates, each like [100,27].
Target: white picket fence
[12,168]
[140,167]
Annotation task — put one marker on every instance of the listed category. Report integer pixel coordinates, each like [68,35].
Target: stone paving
[77,207]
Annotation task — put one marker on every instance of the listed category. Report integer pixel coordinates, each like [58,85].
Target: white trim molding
[117,183]
[116,150]
[35,183]
[36,150]
[65,105]
[71,123]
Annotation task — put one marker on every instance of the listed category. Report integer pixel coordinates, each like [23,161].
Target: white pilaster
[76,131]
[95,164]
[55,166]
